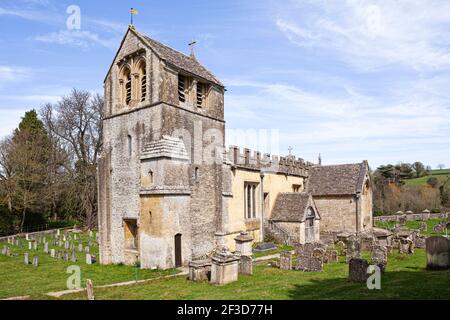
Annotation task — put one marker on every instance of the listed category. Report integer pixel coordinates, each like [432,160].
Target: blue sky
[351,80]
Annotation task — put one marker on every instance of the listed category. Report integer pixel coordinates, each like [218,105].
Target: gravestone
[26,261]
[35,261]
[420,242]
[8,251]
[341,248]
[35,247]
[29,245]
[438,253]
[27,237]
[423,227]
[320,253]
[66,256]
[332,256]
[64,238]
[353,249]
[4,250]
[379,257]
[90,290]
[80,247]
[46,247]
[439,228]
[406,246]
[357,270]
[52,253]
[286,260]
[246,265]
[66,245]
[200,270]
[267,246]
[90,234]
[73,256]
[75,237]
[59,254]
[402,220]
[58,232]
[90,242]
[88,258]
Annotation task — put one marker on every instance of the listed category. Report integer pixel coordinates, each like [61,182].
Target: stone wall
[338,214]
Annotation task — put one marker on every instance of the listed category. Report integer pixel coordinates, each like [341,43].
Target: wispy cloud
[14,74]
[373,34]
[77,38]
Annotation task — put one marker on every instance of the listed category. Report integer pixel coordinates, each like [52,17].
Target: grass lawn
[441,175]
[17,279]
[405,278]
[413,225]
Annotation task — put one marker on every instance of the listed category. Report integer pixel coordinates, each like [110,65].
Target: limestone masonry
[171,193]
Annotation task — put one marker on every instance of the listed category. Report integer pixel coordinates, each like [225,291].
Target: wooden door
[178,256]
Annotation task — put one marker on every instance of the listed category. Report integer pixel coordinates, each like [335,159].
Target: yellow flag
[133,11]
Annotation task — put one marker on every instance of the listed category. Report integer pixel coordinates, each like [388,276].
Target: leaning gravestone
[25,258]
[286,260]
[90,289]
[357,270]
[438,253]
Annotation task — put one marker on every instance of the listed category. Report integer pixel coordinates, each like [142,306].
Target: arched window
[143,80]
[125,81]
[130,145]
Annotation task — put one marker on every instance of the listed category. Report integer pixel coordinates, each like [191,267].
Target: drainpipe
[261,195]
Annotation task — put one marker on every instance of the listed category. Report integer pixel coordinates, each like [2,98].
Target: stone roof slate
[292,206]
[344,179]
[180,60]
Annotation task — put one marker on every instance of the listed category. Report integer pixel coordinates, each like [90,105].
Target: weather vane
[133,12]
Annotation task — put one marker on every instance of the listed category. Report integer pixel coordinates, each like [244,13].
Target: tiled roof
[345,179]
[180,60]
[292,206]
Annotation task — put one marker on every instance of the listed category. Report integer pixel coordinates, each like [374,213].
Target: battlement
[256,160]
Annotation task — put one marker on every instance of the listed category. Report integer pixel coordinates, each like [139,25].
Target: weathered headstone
[320,253]
[357,270]
[406,246]
[4,250]
[88,258]
[52,253]
[46,247]
[90,242]
[439,228]
[332,256]
[379,257]
[353,249]
[420,242]
[246,265]
[244,244]
[59,254]
[80,247]
[27,237]
[438,253]
[286,260]
[423,227]
[90,290]
[35,246]
[66,245]
[35,261]
[26,261]
[8,251]
[29,245]
[309,263]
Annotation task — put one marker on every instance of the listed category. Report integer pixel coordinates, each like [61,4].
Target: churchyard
[414,225]
[50,274]
[312,271]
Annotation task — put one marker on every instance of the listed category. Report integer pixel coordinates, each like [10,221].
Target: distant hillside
[441,175]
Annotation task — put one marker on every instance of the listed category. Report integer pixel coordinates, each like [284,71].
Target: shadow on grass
[414,285]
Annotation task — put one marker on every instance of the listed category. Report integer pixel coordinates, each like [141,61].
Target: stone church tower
[160,191]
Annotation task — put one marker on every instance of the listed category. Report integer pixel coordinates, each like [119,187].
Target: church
[170,191]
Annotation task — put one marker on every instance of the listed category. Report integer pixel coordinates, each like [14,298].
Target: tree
[419,168]
[25,159]
[441,166]
[76,123]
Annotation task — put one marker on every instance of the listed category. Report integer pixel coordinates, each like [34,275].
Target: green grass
[17,279]
[441,175]
[413,225]
[405,278]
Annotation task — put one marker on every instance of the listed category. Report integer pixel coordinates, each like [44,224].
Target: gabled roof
[173,57]
[291,207]
[344,179]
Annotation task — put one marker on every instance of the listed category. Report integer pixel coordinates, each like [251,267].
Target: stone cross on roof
[192,45]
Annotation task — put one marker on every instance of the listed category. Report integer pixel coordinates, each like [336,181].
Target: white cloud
[14,74]
[78,38]
[372,34]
